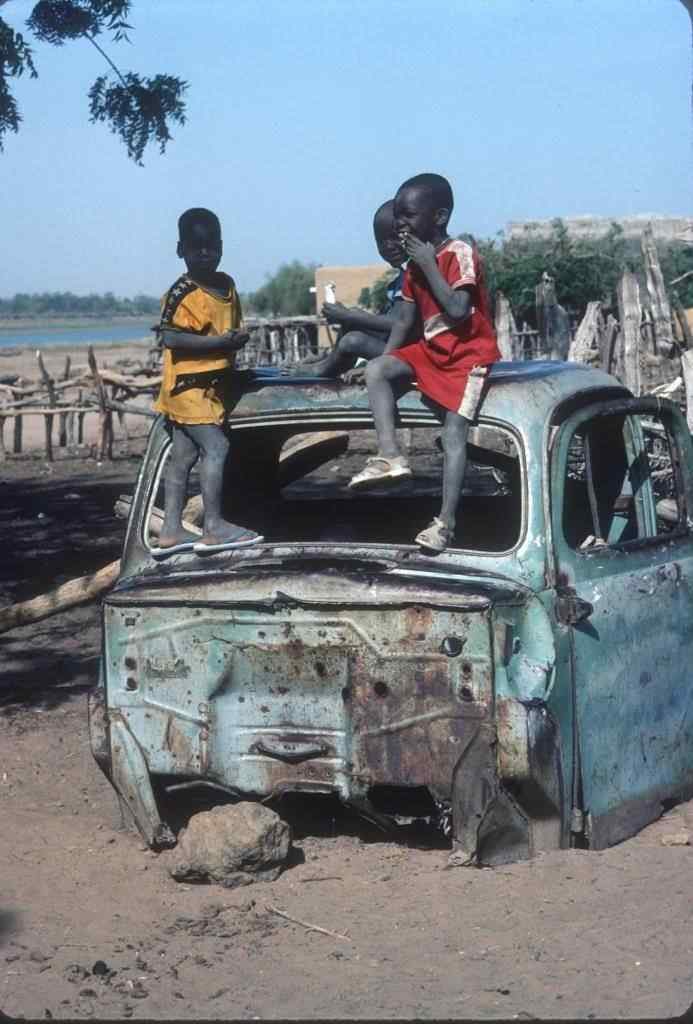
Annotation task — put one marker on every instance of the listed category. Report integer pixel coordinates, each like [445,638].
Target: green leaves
[55,21]
[15,58]
[286,293]
[138,109]
[583,269]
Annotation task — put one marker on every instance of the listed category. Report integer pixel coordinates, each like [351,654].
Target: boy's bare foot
[173,543]
[307,368]
[226,537]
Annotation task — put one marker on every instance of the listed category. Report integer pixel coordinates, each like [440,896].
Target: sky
[304,115]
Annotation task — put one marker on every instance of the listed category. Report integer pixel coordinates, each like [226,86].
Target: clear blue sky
[304,115]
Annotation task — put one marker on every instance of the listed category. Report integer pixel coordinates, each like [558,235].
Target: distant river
[97,332]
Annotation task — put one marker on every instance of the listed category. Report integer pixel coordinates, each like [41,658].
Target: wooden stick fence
[96,391]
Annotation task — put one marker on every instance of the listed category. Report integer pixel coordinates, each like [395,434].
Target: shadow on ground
[52,530]
[56,524]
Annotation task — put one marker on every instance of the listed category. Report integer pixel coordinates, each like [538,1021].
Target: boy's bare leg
[183,457]
[455,432]
[386,377]
[214,448]
[350,347]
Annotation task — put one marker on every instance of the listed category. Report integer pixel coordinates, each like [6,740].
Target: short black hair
[386,209]
[197,215]
[435,185]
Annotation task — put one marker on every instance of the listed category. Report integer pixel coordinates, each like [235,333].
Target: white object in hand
[330,292]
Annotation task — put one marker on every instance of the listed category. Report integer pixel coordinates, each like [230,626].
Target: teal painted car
[529,685]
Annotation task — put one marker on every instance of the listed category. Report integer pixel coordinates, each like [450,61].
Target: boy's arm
[404,320]
[358,319]
[201,344]
[455,302]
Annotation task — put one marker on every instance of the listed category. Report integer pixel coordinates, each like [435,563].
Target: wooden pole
[630,315]
[48,420]
[586,342]
[105,415]
[682,319]
[17,436]
[505,326]
[687,374]
[48,425]
[659,301]
[63,417]
[80,420]
[608,341]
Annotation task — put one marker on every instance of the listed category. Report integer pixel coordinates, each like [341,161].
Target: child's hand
[420,252]
[355,376]
[232,341]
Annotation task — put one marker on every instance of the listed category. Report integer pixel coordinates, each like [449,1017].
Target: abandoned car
[531,682]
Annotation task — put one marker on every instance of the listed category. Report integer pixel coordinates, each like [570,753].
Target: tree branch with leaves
[137,109]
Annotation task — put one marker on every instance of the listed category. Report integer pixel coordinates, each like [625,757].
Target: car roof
[518,392]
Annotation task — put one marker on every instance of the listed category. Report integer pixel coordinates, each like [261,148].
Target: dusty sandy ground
[22,361]
[91,924]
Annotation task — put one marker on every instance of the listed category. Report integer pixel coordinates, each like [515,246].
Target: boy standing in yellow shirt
[200,321]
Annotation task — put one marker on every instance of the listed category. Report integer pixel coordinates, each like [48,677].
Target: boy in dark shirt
[362,334]
[444,284]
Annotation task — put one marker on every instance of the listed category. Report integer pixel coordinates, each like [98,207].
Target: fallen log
[76,592]
[79,591]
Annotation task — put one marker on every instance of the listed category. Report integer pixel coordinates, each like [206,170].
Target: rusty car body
[533,680]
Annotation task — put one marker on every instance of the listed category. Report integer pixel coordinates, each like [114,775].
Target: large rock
[232,845]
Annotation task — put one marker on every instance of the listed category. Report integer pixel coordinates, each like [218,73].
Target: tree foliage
[60,304]
[285,293]
[375,297]
[583,269]
[137,109]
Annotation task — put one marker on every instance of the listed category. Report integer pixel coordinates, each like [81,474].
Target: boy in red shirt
[444,283]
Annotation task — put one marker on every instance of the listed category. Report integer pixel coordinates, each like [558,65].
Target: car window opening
[606,484]
[292,488]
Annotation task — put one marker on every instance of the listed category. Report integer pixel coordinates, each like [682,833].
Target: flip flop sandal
[246,540]
[174,549]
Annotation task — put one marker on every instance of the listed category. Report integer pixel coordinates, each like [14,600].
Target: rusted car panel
[485,677]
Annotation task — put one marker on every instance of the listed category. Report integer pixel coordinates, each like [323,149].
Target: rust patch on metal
[178,743]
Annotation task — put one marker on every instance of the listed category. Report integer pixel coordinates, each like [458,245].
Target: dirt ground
[91,924]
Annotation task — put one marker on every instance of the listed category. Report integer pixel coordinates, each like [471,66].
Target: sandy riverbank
[22,361]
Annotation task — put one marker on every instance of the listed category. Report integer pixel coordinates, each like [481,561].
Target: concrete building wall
[349,282]
[666,229]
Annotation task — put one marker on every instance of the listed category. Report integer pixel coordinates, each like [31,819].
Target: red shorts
[442,365]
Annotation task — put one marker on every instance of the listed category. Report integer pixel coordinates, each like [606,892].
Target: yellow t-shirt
[189,307]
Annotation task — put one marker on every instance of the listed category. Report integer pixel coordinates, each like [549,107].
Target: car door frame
[581,579]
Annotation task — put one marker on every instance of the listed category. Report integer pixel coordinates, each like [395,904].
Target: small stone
[75,973]
[88,993]
[680,838]
[100,968]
